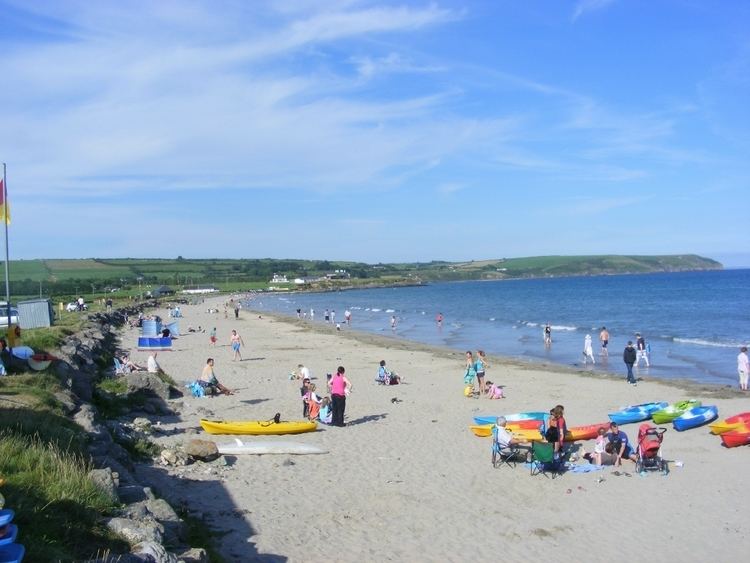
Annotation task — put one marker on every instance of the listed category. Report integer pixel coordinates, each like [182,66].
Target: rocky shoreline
[153,528]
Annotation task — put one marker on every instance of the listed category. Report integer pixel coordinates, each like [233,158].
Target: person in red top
[340,387]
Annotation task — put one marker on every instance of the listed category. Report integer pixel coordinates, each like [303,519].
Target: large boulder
[203,450]
[137,531]
[106,480]
[148,384]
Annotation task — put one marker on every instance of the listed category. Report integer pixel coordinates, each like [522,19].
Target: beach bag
[196,389]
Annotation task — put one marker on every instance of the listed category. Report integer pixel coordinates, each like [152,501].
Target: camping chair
[507,455]
[543,459]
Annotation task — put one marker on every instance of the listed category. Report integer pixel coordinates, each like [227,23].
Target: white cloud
[586,6]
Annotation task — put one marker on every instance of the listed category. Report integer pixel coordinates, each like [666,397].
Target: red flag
[4,208]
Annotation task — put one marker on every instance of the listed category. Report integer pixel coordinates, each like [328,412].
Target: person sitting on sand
[302,372]
[129,365]
[620,443]
[209,381]
[325,415]
[493,391]
[386,377]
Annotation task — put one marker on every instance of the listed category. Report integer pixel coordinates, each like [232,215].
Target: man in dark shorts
[604,339]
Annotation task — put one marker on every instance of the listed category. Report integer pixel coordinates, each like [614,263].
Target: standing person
[327,316]
[339,387]
[641,350]
[212,336]
[236,341]
[333,316]
[312,314]
[469,374]
[547,335]
[237,310]
[109,304]
[303,391]
[393,322]
[628,356]
[299,313]
[743,367]
[588,350]
[439,320]
[480,366]
[604,339]
[348,316]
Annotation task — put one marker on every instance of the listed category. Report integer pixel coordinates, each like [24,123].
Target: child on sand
[325,415]
[493,391]
[212,336]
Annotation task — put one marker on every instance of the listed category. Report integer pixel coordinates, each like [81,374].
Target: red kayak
[736,437]
[730,423]
[588,432]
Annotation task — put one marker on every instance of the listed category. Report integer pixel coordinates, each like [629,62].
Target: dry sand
[407,481]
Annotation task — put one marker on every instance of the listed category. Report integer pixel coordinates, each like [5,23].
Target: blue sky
[376,131]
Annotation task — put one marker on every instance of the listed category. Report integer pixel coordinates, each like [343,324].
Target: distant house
[199,290]
[161,291]
[338,275]
[279,278]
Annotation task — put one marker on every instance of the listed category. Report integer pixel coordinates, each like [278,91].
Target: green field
[132,276]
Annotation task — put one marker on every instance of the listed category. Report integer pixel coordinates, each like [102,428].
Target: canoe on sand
[636,413]
[257,427]
[525,434]
[667,415]
[515,417]
[740,436]
[695,417]
[587,432]
[731,423]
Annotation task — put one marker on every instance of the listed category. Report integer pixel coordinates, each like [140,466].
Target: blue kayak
[695,417]
[511,417]
[636,413]
[12,553]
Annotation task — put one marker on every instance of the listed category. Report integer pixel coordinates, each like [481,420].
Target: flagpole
[7,254]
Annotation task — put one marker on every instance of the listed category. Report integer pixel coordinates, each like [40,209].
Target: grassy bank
[42,459]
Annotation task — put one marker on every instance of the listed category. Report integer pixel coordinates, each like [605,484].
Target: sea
[693,322]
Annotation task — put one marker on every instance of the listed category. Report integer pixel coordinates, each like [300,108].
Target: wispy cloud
[586,6]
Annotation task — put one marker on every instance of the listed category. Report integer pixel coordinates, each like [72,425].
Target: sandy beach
[408,481]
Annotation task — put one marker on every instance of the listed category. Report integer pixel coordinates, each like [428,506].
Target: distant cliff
[554,266]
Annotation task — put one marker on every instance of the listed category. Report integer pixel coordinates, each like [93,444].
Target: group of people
[329,316]
[476,369]
[330,409]
[610,447]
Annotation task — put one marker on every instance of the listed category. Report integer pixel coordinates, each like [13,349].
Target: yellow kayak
[731,423]
[525,434]
[257,427]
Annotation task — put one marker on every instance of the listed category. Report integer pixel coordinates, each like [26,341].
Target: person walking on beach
[547,335]
[743,367]
[339,387]
[628,356]
[588,350]
[641,350]
[348,316]
[604,339]
[236,342]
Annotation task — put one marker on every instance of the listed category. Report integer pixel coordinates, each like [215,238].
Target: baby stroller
[648,453]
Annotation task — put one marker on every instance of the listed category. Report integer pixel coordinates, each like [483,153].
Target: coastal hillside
[131,276]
